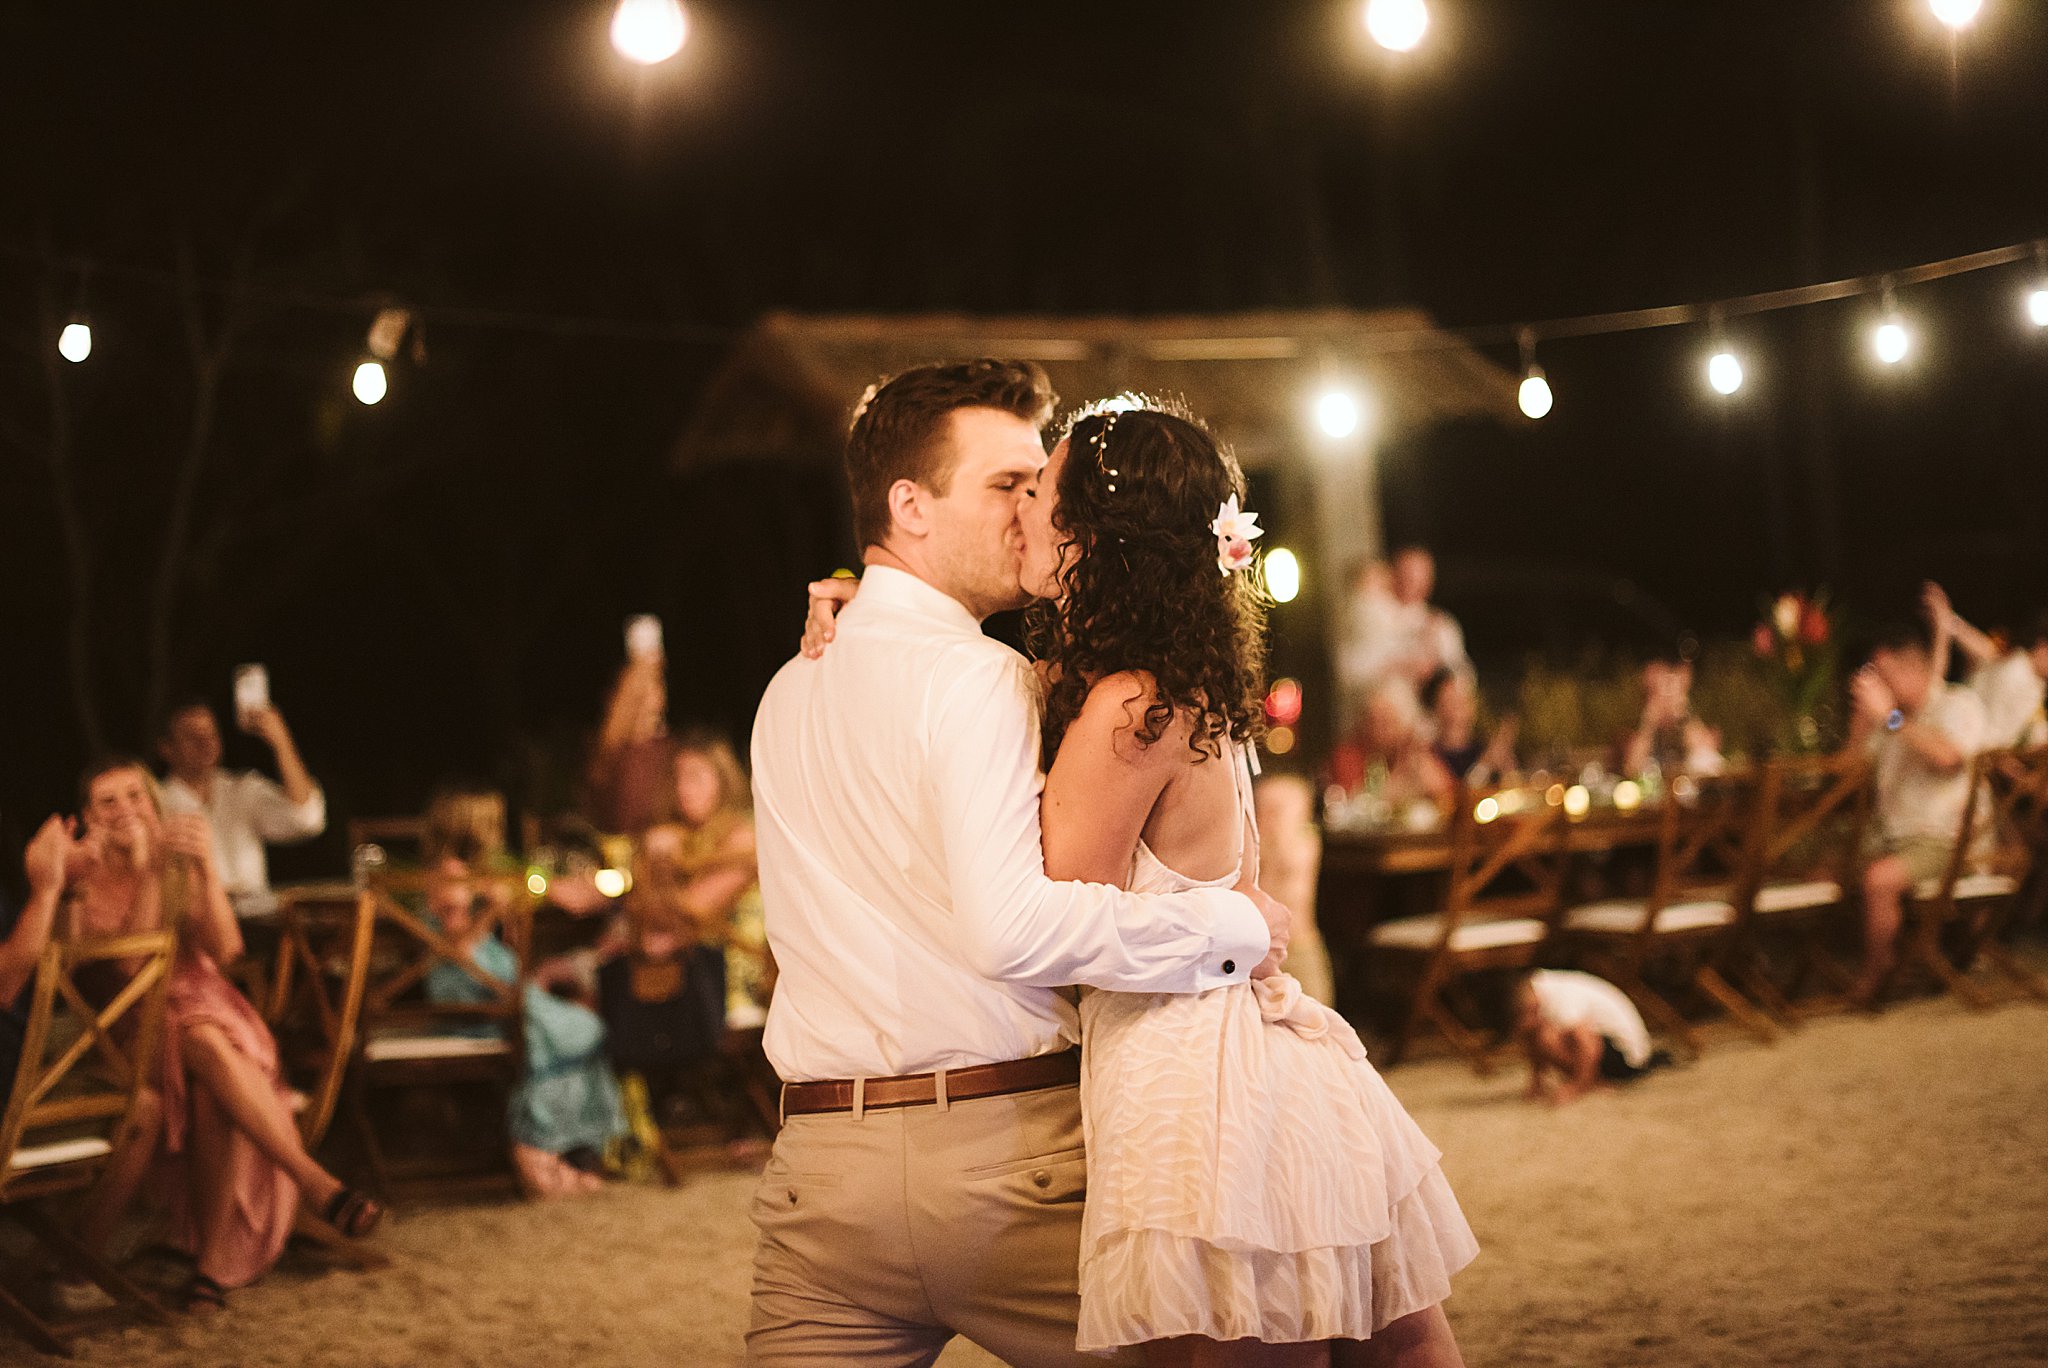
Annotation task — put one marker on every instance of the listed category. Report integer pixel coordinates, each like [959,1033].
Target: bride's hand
[1279,926]
[828,596]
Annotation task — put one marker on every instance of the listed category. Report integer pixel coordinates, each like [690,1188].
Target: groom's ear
[909,507]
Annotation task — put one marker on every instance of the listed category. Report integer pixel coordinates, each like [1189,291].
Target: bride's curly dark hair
[1139,584]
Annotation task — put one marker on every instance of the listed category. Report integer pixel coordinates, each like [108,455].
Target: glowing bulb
[74,344]
[537,884]
[2037,307]
[648,31]
[1534,396]
[1724,372]
[1283,575]
[1398,25]
[370,383]
[610,882]
[1628,795]
[1337,414]
[1891,341]
[1280,740]
[1955,13]
[1486,811]
[1577,800]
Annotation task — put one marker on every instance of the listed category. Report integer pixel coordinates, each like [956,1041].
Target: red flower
[1763,641]
[1813,626]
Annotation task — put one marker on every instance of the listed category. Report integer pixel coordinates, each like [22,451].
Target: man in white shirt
[1392,630]
[247,810]
[2011,682]
[1582,1028]
[929,1178]
[1922,734]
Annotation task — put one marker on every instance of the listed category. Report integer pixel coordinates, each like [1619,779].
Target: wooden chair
[82,1067]
[406,1042]
[1810,816]
[403,834]
[1954,918]
[1506,870]
[314,1010]
[1705,846]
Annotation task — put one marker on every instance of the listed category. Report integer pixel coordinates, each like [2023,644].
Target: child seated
[1582,1028]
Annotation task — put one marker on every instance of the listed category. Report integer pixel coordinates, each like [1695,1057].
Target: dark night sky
[437,583]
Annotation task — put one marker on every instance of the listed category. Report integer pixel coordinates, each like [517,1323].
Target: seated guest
[1669,737]
[713,854]
[1388,757]
[1922,734]
[1452,702]
[566,1108]
[2010,682]
[231,1168]
[25,936]
[1581,1028]
[628,778]
[246,810]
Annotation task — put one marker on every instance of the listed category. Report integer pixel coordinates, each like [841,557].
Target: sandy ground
[1866,1193]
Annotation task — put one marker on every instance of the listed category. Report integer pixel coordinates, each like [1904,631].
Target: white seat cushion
[60,1152]
[1422,933]
[1799,896]
[434,1047]
[1970,886]
[1621,915]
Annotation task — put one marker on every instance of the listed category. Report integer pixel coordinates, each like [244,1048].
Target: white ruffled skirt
[1250,1175]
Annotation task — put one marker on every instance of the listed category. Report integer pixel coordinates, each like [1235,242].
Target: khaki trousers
[885,1234]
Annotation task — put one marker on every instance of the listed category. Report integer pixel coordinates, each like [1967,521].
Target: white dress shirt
[896,789]
[1567,998]
[2011,693]
[248,811]
[1914,800]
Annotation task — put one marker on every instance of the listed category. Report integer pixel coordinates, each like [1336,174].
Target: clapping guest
[629,773]
[23,937]
[1452,702]
[1922,734]
[1669,736]
[2009,681]
[232,1168]
[246,810]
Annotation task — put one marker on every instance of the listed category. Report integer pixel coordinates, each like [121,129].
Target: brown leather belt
[911,1090]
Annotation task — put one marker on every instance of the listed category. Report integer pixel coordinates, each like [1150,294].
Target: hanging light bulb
[370,383]
[1337,413]
[648,31]
[1957,14]
[2037,306]
[74,344]
[1891,341]
[1397,25]
[1534,395]
[1724,372]
[1283,575]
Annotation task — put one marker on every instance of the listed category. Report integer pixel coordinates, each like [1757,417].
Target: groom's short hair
[898,428]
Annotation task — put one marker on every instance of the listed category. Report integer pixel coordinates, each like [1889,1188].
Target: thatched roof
[790,384]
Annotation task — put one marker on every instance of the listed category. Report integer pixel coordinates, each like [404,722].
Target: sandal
[352,1212]
[203,1294]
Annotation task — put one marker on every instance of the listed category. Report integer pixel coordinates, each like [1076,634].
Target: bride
[1256,1194]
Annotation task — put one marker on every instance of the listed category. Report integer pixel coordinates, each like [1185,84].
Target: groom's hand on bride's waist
[1279,927]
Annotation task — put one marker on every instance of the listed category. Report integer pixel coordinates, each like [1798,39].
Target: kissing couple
[1046,1084]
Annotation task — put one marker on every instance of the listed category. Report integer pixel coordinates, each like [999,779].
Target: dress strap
[1243,765]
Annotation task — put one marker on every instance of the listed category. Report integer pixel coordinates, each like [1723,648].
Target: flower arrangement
[1795,641]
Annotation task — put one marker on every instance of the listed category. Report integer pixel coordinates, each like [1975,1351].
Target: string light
[1724,372]
[74,344]
[1283,575]
[1337,414]
[649,31]
[1534,395]
[1397,25]
[2037,306]
[1957,14]
[370,383]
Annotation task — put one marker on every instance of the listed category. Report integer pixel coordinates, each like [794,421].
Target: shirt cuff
[1238,941]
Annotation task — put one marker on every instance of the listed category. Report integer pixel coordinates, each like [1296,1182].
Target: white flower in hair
[1235,532]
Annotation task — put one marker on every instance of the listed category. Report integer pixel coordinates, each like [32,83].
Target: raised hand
[1935,600]
[49,851]
[191,835]
[828,596]
[1871,696]
[267,723]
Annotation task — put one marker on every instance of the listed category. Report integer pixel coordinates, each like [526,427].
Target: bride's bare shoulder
[1114,717]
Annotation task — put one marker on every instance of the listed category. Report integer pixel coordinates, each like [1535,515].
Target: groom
[929,1178]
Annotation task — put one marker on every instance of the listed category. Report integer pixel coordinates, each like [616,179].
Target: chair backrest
[82,1062]
[2015,799]
[1506,859]
[408,945]
[1707,836]
[316,998]
[1810,815]
[403,835]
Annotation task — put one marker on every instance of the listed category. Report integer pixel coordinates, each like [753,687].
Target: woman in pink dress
[227,1163]
[1256,1195]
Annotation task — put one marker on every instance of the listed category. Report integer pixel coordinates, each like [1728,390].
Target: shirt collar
[890,588]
